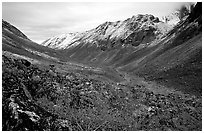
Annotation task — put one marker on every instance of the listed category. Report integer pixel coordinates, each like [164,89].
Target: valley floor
[75,97]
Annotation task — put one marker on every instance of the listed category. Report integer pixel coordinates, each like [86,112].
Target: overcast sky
[40,21]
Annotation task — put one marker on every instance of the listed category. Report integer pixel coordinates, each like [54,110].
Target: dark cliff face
[196,13]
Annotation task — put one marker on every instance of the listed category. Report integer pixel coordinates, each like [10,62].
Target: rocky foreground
[39,98]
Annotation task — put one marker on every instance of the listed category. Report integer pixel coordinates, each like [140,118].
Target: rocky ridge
[140,29]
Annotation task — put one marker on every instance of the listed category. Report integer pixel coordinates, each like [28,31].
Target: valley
[140,74]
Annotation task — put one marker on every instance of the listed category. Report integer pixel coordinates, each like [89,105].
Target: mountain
[17,43]
[141,45]
[138,29]
[12,29]
[171,19]
[60,41]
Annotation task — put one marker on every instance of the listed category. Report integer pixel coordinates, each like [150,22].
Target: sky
[40,21]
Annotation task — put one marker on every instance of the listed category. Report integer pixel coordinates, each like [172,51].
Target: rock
[36,78]
[27,93]
[52,73]
[32,115]
[13,107]
[25,62]
[64,123]
[156,20]
[150,17]
[87,83]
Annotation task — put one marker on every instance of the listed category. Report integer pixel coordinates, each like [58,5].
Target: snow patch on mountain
[171,19]
[139,29]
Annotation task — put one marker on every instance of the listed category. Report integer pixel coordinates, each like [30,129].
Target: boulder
[25,62]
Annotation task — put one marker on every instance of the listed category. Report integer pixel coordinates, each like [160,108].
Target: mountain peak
[139,28]
[144,18]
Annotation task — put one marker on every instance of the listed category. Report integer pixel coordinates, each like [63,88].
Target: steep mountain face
[10,28]
[140,29]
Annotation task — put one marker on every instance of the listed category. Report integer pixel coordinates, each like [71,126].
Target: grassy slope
[167,62]
[178,67]
[17,45]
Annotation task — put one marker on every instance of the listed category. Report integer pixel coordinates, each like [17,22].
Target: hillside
[15,42]
[37,98]
[141,46]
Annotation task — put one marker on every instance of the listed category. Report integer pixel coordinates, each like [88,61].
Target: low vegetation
[42,99]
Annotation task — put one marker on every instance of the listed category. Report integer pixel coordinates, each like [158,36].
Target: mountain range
[135,30]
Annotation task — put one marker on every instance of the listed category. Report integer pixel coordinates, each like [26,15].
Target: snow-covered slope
[136,30]
[171,19]
[60,41]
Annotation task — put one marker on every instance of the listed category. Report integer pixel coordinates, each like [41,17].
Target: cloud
[40,21]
